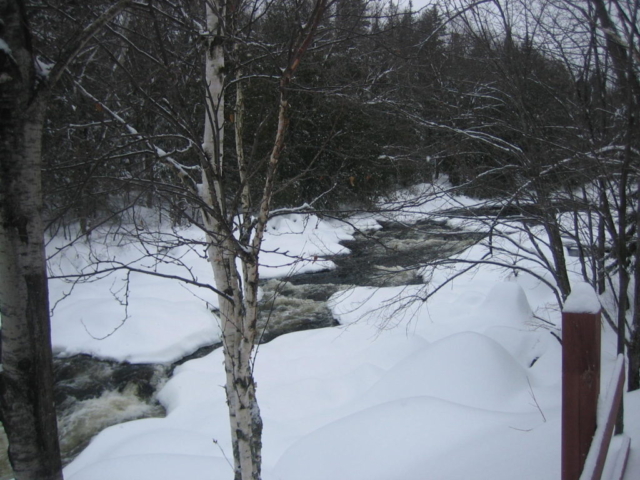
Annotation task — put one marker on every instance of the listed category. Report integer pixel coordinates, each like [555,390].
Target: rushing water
[93,394]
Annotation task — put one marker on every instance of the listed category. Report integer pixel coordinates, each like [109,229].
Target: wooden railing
[587,426]
[610,404]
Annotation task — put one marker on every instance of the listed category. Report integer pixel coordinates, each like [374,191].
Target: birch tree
[26,380]
[235,237]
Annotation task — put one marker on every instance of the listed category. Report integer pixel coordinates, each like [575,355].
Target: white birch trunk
[238,322]
[26,393]
[26,382]
[239,304]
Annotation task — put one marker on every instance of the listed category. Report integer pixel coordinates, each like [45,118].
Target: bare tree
[622,40]
[235,237]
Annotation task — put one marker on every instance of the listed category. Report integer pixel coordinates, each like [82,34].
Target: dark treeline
[528,104]
[387,97]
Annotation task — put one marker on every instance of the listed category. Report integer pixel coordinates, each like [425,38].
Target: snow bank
[293,243]
[466,368]
[403,439]
[414,203]
[359,402]
[136,318]
[163,466]
[141,318]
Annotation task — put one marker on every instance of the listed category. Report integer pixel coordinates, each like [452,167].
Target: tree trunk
[238,312]
[602,239]
[239,303]
[557,252]
[238,318]
[554,237]
[633,376]
[26,382]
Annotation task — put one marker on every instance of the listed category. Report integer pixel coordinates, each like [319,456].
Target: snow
[4,47]
[582,299]
[141,318]
[411,204]
[457,369]
[395,440]
[464,385]
[43,67]
[617,465]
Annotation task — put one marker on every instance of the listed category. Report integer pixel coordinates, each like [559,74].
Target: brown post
[580,388]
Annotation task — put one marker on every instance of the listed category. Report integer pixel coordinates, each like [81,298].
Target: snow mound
[154,330]
[157,467]
[466,368]
[325,370]
[395,440]
[523,346]
[506,304]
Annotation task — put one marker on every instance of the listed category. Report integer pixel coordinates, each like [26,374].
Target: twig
[535,400]
[223,453]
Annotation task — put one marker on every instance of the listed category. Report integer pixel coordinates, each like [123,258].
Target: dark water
[391,256]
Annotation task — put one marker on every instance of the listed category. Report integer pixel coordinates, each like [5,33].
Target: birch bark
[26,380]
[236,240]
[26,388]
[238,328]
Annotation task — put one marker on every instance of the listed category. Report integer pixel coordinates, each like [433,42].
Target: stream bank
[93,394]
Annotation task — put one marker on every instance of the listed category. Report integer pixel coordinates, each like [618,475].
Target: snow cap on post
[582,299]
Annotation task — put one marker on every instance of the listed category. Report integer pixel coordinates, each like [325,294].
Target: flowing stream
[93,394]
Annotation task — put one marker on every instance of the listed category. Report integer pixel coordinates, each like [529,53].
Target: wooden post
[580,382]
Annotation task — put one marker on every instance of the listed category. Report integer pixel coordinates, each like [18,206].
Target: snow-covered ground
[463,386]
